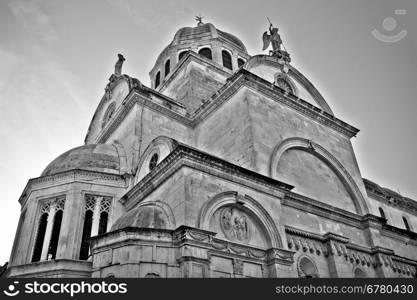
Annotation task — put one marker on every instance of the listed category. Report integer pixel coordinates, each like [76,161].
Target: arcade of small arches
[97,210]
[206,52]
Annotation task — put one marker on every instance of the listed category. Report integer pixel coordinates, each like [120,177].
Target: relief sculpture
[235,225]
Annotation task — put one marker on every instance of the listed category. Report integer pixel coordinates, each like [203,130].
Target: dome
[203,37]
[95,157]
[207,31]
[147,216]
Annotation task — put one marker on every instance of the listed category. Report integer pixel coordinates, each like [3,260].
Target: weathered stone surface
[249,180]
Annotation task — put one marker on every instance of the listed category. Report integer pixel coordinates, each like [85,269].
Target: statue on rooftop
[118,65]
[274,39]
[199,20]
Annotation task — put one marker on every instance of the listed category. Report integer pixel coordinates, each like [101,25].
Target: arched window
[157,79]
[153,161]
[40,236]
[227,60]
[88,222]
[96,218]
[381,213]
[46,242]
[167,67]
[102,226]
[307,268]
[53,244]
[206,52]
[407,226]
[240,62]
[182,54]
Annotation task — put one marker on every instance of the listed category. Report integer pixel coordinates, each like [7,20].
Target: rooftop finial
[199,19]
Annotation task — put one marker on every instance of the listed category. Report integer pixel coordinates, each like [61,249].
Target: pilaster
[69,234]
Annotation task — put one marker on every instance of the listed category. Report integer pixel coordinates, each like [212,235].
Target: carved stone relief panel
[237,225]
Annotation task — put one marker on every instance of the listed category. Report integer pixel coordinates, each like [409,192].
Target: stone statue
[199,20]
[118,65]
[273,38]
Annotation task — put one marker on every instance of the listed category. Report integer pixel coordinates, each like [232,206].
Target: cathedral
[228,165]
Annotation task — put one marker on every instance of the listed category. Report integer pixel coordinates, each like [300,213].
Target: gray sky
[56,58]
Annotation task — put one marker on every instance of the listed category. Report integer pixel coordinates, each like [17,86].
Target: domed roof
[147,216]
[94,157]
[205,32]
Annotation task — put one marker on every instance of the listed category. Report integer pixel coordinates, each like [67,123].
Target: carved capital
[280,256]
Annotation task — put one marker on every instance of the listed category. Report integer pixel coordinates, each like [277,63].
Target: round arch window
[153,161]
[206,52]
[227,60]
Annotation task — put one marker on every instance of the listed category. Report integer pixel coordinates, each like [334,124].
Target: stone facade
[230,165]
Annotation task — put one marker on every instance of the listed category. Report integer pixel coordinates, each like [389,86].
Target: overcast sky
[56,58]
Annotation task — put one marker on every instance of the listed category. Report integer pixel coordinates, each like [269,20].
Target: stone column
[69,234]
[96,216]
[48,232]
[216,52]
[234,62]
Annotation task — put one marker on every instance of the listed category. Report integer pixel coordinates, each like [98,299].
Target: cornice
[127,235]
[185,236]
[404,260]
[303,233]
[231,87]
[185,156]
[360,248]
[242,78]
[334,244]
[324,210]
[143,97]
[315,236]
[277,94]
[259,85]
[71,176]
[399,231]
[390,198]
